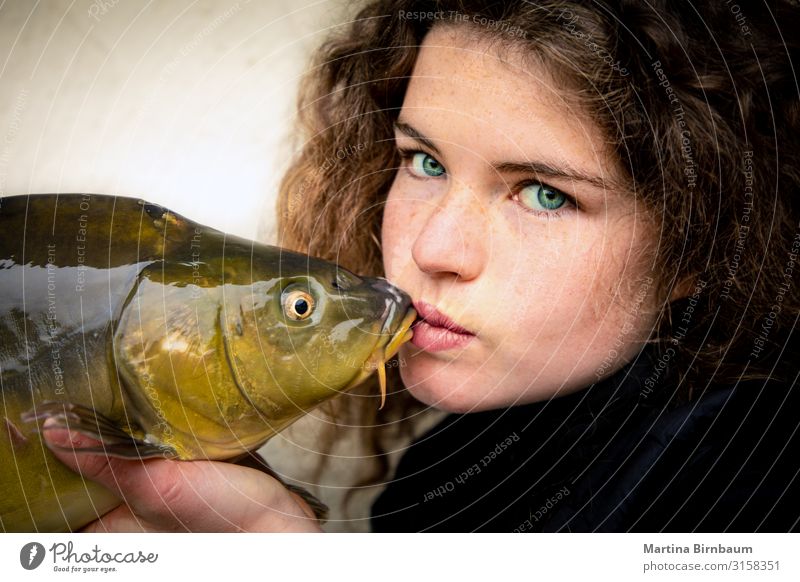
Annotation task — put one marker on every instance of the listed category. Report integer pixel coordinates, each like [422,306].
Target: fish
[161,337]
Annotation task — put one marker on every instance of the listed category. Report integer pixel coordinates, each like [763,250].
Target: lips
[436,332]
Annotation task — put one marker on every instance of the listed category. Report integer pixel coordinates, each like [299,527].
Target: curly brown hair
[700,104]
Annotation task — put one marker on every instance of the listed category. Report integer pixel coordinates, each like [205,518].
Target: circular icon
[31,555]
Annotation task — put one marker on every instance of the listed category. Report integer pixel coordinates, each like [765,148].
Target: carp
[161,337]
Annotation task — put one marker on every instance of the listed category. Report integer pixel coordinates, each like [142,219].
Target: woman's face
[505,217]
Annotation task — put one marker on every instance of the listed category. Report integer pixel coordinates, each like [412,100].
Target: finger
[305,499]
[131,480]
[120,519]
[304,505]
[181,495]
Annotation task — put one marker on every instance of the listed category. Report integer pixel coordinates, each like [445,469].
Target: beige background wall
[185,103]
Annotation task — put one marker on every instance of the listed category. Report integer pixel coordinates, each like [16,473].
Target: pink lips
[436,332]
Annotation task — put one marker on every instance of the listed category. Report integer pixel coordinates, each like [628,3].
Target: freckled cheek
[544,290]
[582,298]
[402,219]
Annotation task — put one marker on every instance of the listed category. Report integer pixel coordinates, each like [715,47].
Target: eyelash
[407,153]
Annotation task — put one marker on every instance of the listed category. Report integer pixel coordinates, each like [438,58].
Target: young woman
[593,206]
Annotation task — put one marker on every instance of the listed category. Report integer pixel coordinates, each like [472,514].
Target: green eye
[424,165]
[541,197]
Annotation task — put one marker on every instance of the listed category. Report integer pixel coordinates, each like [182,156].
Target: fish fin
[115,442]
[256,461]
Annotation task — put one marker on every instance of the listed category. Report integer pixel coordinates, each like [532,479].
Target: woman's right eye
[421,164]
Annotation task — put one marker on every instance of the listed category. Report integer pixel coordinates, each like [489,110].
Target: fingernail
[58,436]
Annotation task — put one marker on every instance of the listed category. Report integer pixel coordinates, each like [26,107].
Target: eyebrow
[537,167]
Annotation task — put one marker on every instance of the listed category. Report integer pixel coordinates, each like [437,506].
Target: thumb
[154,488]
[67,446]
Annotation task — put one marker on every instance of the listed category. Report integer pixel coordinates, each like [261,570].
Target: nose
[453,239]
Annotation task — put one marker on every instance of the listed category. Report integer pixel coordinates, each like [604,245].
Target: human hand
[183,496]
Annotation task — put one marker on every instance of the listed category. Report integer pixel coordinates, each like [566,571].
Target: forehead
[498,98]
[460,54]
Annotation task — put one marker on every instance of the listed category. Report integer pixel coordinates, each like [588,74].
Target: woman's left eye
[423,165]
[540,197]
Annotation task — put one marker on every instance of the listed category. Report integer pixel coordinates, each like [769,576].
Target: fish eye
[298,305]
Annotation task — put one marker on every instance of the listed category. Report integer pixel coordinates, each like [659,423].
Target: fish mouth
[384,351]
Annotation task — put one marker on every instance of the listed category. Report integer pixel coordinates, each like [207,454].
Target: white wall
[185,103]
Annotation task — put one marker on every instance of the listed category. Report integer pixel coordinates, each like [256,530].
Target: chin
[437,392]
[445,402]
[445,389]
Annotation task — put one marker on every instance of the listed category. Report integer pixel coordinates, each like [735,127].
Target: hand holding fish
[173,496]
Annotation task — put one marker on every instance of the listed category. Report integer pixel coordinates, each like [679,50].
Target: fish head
[312,332]
[216,356]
